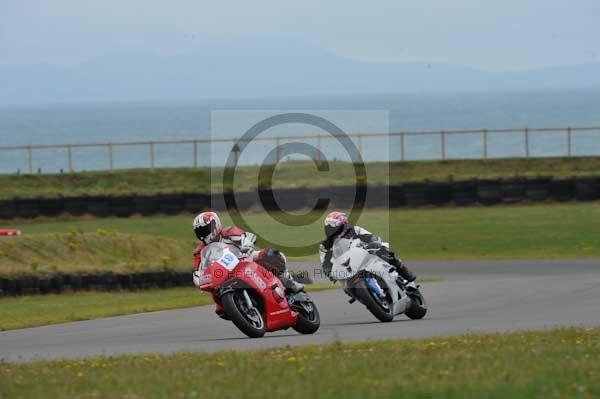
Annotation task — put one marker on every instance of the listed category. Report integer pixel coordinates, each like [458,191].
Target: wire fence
[399,146]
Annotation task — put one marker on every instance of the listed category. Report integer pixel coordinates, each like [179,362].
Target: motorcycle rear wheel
[253,325]
[366,296]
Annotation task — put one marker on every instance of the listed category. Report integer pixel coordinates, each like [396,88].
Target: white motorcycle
[374,282]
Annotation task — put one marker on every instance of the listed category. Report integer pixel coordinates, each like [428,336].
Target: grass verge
[501,232]
[79,252]
[287,174]
[548,364]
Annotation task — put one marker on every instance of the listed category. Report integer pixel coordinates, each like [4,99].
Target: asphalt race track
[473,296]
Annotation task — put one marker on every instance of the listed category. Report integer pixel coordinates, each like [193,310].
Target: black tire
[382,314]
[230,306]
[418,309]
[307,323]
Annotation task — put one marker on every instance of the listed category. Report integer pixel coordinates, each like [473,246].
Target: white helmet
[207,227]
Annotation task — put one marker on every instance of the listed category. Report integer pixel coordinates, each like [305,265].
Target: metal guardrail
[526,134]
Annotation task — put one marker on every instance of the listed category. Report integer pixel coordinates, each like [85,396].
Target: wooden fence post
[485,143]
[401,146]
[110,156]
[443,143]
[319,148]
[70,156]
[526,142]
[30,159]
[151,155]
[360,145]
[195,153]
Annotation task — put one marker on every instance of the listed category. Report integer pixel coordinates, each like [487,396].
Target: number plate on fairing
[229,261]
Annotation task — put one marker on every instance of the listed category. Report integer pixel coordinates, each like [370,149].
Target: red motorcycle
[253,298]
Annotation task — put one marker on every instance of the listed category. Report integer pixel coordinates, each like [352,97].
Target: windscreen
[341,246]
[215,251]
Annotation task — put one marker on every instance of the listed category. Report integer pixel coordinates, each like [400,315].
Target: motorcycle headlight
[205,279]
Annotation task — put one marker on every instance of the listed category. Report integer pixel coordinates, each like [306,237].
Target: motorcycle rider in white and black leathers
[336,226]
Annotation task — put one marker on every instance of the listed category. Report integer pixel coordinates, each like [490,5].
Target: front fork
[349,289]
[248,300]
[375,287]
[303,302]
[372,284]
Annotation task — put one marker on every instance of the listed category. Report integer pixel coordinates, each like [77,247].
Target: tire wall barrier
[28,285]
[32,285]
[463,193]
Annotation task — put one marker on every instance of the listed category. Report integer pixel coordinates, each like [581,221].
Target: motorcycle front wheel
[247,319]
[309,319]
[379,307]
[418,308]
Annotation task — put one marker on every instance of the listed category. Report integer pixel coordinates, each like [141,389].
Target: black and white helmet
[207,227]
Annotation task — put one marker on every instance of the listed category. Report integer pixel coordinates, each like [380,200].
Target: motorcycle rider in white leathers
[336,226]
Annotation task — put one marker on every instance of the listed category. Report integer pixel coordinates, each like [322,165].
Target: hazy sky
[494,35]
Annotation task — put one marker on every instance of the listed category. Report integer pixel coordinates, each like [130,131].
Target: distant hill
[261,69]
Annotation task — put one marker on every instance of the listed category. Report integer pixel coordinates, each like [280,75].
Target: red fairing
[276,313]
[213,276]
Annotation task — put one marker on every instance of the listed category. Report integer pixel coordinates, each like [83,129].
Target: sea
[211,123]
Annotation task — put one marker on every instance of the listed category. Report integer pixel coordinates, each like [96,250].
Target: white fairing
[350,258]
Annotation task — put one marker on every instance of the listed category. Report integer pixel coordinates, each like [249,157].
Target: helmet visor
[203,232]
[332,231]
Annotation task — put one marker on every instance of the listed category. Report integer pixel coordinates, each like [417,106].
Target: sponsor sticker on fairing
[257,280]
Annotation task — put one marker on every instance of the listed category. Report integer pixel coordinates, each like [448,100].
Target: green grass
[560,363]
[542,231]
[78,252]
[287,174]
